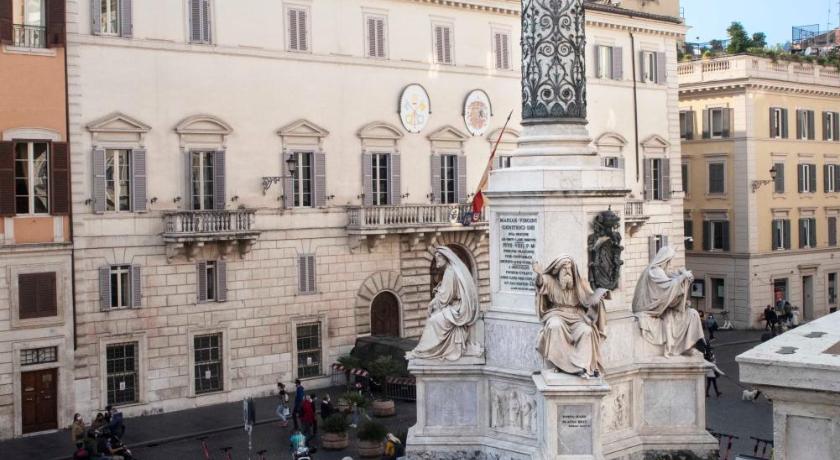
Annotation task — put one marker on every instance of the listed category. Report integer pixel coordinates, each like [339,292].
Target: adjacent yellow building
[761,175]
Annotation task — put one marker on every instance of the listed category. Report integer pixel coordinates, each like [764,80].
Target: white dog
[750,395]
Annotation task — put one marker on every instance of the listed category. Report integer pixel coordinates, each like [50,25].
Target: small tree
[759,40]
[739,41]
[372,431]
[335,423]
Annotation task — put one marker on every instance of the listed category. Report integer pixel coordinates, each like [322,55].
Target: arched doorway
[437,274]
[385,315]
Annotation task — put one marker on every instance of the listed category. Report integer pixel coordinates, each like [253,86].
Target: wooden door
[385,315]
[808,298]
[39,400]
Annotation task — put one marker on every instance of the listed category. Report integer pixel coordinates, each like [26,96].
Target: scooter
[303,453]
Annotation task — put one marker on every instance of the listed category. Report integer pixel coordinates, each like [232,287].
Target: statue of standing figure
[451,329]
[573,317]
[661,305]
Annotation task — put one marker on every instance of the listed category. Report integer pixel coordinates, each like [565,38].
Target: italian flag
[478,200]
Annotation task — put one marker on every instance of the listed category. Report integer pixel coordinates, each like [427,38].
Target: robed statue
[451,330]
[573,319]
[661,306]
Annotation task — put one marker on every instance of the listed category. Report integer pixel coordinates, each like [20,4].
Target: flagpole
[483,182]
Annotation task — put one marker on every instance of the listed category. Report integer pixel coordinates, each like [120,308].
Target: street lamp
[291,165]
[757,184]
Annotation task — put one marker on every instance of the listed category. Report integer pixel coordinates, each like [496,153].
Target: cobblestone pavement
[151,437]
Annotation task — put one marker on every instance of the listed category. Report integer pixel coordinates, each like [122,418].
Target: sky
[708,19]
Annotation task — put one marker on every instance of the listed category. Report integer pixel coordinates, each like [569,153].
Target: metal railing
[25,36]
[406,216]
[209,222]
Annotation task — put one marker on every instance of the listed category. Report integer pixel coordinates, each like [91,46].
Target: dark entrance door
[385,315]
[39,391]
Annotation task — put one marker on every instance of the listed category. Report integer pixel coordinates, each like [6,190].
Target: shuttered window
[831,126]
[805,125]
[309,346]
[808,233]
[717,178]
[307,274]
[380,175]
[32,178]
[118,180]
[687,125]
[211,277]
[609,62]
[501,50]
[778,123]
[779,181]
[200,22]
[781,234]
[375,36]
[298,29]
[830,175]
[716,235]
[448,179]
[655,243]
[443,44]
[37,295]
[122,373]
[120,286]
[684,177]
[807,178]
[832,231]
[302,180]
[206,170]
[653,67]
[207,357]
[688,233]
[657,177]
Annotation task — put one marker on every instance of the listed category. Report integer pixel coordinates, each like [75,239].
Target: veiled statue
[573,319]
[451,331]
[661,305]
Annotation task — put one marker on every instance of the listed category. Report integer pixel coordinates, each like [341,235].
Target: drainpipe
[635,100]
[70,191]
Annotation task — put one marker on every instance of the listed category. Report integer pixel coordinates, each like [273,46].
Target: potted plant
[371,434]
[380,369]
[335,432]
[349,399]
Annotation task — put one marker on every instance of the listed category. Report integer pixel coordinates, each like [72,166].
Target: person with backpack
[393,447]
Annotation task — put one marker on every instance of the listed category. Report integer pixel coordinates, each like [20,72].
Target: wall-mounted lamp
[757,184]
[430,197]
[88,201]
[405,195]
[177,199]
[234,198]
[330,197]
[360,196]
[153,200]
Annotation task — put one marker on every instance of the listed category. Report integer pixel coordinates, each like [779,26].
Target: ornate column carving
[553,62]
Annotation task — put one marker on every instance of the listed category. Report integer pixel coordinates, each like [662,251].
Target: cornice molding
[741,85]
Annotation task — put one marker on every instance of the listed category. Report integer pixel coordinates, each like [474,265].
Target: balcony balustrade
[187,231]
[634,213]
[743,66]
[372,220]
[26,36]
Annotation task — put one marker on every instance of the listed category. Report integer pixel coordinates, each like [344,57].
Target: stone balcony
[634,214]
[373,223]
[738,67]
[186,232]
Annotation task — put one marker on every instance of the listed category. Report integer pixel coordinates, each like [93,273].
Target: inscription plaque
[452,404]
[517,250]
[574,429]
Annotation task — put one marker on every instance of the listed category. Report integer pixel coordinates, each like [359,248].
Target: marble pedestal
[571,416]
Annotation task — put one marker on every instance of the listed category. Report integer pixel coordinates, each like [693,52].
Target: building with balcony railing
[36,296]
[761,160]
[283,142]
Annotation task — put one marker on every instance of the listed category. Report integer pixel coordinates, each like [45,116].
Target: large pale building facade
[254,188]
[758,239]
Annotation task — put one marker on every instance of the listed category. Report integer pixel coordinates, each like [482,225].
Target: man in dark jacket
[299,394]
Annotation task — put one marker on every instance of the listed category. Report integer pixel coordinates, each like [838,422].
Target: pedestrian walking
[315,408]
[282,410]
[712,326]
[307,417]
[299,396]
[767,325]
[77,429]
[326,407]
[712,374]
[392,449]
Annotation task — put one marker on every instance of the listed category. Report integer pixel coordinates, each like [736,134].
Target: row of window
[609,65]
[123,370]
[806,178]
[716,234]
[114,18]
[717,124]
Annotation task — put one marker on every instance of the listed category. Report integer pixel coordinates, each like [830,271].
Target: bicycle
[204,447]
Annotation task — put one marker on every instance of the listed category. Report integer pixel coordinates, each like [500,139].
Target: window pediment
[655,144]
[203,124]
[448,133]
[118,122]
[610,139]
[302,128]
[510,136]
[380,130]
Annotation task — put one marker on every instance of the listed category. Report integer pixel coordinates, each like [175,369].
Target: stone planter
[383,408]
[334,441]
[370,449]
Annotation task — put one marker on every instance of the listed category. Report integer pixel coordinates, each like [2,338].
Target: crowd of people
[780,317]
[102,439]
